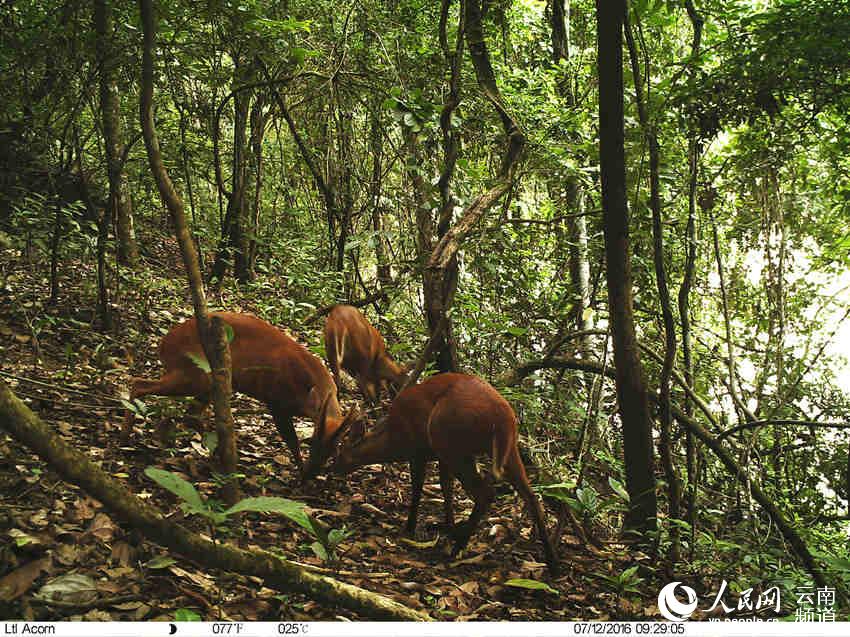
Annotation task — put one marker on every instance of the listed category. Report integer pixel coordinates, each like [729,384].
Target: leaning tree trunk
[76,468]
[441,269]
[210,330]
[632,398]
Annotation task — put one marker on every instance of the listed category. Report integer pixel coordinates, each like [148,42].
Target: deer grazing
[353,344]
[267,365]
[450,418]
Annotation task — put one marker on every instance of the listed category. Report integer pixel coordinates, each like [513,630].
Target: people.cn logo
[671,607]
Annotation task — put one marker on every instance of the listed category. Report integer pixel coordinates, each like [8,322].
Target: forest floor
[53,534]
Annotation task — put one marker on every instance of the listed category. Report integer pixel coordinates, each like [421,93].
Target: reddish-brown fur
[267,365]
[451,418]
[353,344]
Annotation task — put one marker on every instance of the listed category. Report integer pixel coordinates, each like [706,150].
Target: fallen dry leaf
[97,616]
[475,559]
[84,509]
[200,579]
[67,554]
[71,587]
[102,527]
[127,606]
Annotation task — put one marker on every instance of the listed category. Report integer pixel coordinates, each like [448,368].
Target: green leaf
[838,563]
[336,536]
[161,561]
[517,331]
[618,488]
[320,551]
[186,615]
[210,440]
[318,530]
[229,334]
[531,584]
[269,504]
[135,406]
[200,361]
[178,486]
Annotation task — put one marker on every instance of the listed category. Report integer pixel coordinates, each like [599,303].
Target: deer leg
[515,474]
[283,422]
[482,495]
[447,486]
[174,383]
[336,375]
[417,481]
[368,387]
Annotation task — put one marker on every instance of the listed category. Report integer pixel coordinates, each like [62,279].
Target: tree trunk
[384,273]
[435,294]
[632,398]
[258,129]
[665,444]
[579,260]
[211,333]
[233,245]
[121,209]
[559,22]
[694,150]
[55,241]
[441,270]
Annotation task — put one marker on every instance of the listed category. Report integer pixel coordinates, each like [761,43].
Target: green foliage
[628,581]
[200,361]
[186,615]
[36,221]
[531,584]
[327,541]
[193,504]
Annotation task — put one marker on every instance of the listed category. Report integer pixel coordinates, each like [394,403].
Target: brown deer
[353,344]
[267,365]
[451,418]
